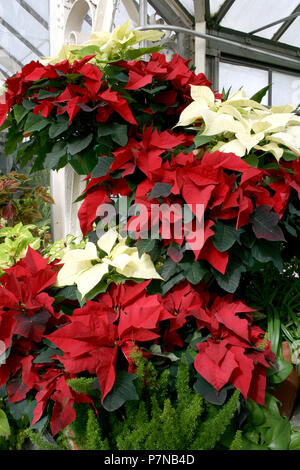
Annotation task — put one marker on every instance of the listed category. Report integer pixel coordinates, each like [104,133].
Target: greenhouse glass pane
[285,89]
[249,79]
[121,16]
[189,5]
[25,24]
[41,7]
[248,15]
[292,36]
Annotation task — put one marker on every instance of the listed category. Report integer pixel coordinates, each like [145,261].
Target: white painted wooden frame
[66,19]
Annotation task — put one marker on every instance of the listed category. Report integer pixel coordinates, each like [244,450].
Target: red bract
[146,154]
[53,386]
[233,354]
[25,309]
[176,71]
[119,319]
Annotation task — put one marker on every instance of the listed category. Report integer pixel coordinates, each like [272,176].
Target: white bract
[240,124]
[84,268]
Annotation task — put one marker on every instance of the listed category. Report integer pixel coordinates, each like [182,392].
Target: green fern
[213,429]
[94,439]
[163,418]
[237,443]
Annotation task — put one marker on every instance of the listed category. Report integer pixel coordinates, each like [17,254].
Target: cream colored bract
[239,124]
[85,269]
[110,47]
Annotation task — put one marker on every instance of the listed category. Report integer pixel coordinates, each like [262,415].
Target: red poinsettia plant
[117,126]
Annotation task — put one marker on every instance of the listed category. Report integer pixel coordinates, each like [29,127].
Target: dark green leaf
[12,141]
[166,286]
[35,123]
[17,409]
[265,224]
[225,236]
[145,245]
[208,392]
[289,156]
[118,132]
[19,112]
[84,163]
[79,143]
[231,279]
[260,94]
[280,372]
[102,167]
[153,91]
[43,94]
[194,271]
[69,292]
[123,390]
[252,160]
[202,139]
[168,269]
[52,159]
[58,127]
[264,252]
[45,356]
[29,105]
[160,190]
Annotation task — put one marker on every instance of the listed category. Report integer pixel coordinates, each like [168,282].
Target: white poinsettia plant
[240,125]
[86,267]
[109,46]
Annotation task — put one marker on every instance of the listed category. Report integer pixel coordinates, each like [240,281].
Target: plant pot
[288,390]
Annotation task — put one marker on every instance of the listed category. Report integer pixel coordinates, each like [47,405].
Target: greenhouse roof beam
[5,74]
[286,19]
[218,17]
[33,13]
[7,55]
[233,46]
[20,37]
[285,25]
[172,12]
[207,10]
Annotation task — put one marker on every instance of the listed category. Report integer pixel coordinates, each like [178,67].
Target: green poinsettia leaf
[53,158]
[194,271]
[58,127]
[35,123]
[102,167]
[225,236]
[123,391]
[19,112]
[207,391]
[160,190]
[231,279]
[200,140]
[265,224]
[79,143]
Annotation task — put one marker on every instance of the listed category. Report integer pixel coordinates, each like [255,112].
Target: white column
[66,18]
[200,44]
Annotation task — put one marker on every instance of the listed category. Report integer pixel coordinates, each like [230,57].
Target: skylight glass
[189,5]
[40,6]
[246,16]
[292,36]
